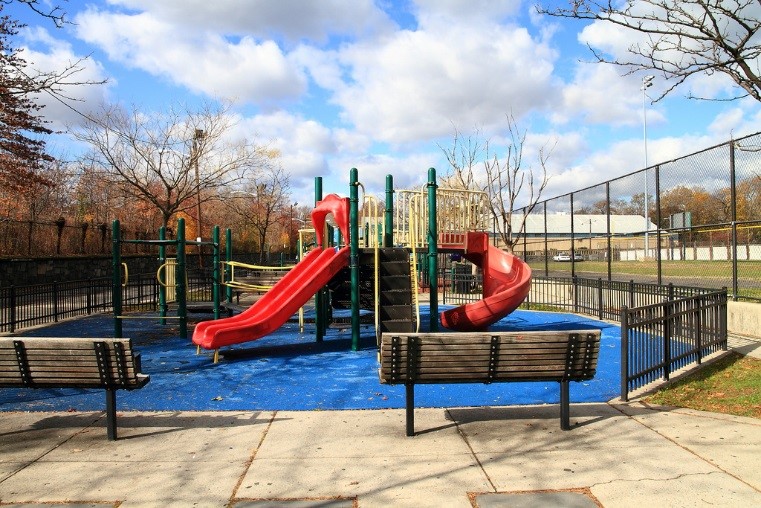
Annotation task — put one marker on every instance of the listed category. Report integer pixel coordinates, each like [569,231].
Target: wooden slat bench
[53,362]
[485,357]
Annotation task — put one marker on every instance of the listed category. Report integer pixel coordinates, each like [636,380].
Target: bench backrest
[42,362]
[487,357]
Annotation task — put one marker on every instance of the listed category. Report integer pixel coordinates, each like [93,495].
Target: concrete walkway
[615,455]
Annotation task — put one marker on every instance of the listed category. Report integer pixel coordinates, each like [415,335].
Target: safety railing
[40,304]
[457,212]
[661,338]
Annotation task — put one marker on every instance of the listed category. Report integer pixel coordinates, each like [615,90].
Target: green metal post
[217,260]
[319,297]
[163,307]
[354,255]
[116,268]
[228,258]
[388,216]
[433,237]
[182,309]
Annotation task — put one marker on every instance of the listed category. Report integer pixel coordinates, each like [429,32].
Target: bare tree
[682,37]
[262,203]
[175,161]
[503,175]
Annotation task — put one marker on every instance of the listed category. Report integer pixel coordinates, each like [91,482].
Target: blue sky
[380,85]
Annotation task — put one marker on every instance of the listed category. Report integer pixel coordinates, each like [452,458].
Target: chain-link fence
[693,221]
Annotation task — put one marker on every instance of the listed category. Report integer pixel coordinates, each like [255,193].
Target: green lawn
[731,385]
[750,269]
[692,273]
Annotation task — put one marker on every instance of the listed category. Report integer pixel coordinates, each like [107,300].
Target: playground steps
[397,313]
[396,303]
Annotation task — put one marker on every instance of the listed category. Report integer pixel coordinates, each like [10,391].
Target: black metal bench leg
[410,408]
[111,414]
[565,409]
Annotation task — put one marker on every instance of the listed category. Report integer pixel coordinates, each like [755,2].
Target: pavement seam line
[247,465]
[692,452]
[49,451]
[472,452]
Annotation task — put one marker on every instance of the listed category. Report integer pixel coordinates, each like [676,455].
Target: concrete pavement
[616,455]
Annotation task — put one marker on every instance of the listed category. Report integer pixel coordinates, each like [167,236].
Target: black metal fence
[663,328]
[661,338]
[39,304]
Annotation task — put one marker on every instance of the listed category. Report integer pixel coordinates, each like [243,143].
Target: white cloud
[416,84]
[409,170]
[200,61]
[305,145]
[447,12]
[292,20]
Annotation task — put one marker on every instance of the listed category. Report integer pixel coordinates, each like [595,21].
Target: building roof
[560,224]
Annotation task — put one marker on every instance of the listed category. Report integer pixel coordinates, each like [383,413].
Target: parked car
[565,256]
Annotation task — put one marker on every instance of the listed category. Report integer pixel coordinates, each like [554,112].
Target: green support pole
[215,283]
[319,305]
[433,237]
[182,309]
[163,307]
[354,255]
[388,216]
[116,267]
[228,258]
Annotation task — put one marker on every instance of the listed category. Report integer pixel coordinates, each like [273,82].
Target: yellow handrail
[126,274]
[413,261]
[370,207]
[244,285]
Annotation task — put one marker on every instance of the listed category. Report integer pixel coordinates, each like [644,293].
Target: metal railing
[39,304]
[658,339]
[663,328]
[601,298]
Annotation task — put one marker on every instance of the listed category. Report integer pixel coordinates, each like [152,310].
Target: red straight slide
[507,282]
[277,305]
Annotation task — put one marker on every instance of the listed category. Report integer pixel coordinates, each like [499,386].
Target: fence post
[599,298]
[723,318]
[575,283]
[667,315]
[12,307]
[55,301]
[625,354]
[631,294]
[89,296]
[699,330]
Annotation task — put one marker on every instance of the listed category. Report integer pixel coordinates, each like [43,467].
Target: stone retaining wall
[23,272]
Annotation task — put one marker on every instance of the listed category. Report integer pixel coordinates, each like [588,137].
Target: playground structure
[458,226]
[170,274]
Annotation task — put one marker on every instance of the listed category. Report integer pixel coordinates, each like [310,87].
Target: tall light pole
[194,160]
[647,82]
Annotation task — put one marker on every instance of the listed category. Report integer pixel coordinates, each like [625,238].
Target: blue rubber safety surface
[288,370]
